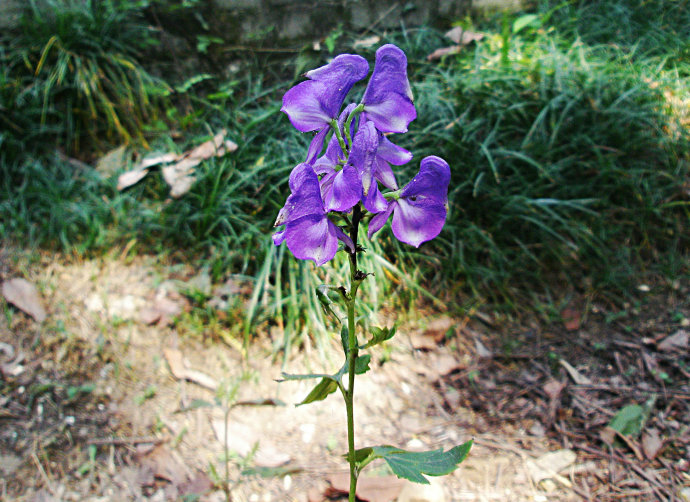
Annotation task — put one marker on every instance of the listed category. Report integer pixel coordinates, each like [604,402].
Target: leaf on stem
[412,465]
[380,335]
[325,301]
[344,337]
[362,364]
[322,390]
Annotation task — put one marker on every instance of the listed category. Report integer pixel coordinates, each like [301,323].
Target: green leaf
[195,404]
[73,392]
[362,364]
[629,420]
[308,376]
[325,301]
[380,335]
[322,390]
[412,464]
[190,82]
[344,338]
[524,21]
[362,455]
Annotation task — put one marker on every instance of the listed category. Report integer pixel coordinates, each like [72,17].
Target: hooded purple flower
[388,153]
[311,105]
[309,234]
[388,97]
[363,156]
[420,211]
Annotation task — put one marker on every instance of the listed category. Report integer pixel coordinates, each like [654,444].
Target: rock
[413,492]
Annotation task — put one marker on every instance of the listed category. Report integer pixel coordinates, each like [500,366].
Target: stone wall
[10,11]
[296,19]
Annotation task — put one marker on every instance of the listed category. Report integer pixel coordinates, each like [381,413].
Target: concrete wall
[297,19]
[10,11]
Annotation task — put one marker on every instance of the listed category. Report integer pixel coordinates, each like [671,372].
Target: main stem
[353,350]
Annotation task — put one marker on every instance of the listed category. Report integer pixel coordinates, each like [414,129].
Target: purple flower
[388,97]
[311,105]
[363,156]
[388,153]
[420,211]
[309,234]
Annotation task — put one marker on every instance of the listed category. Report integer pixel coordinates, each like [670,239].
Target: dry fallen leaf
[553,389]
[179,177]
[165,465]
[439,327]
[482,351]
[112,161]
[550,464]
[161,311]
[462,36]
[367,42]
[571,319]
[130,178]
[444,51]
[577,377]
[370,489]
[177,368]
[651,443]
[24,295]
[198,485]
[423,342]
[158,159]
[677,341]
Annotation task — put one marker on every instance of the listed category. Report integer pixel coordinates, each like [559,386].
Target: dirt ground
[122,393]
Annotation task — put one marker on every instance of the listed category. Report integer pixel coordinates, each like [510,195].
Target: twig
[44,475]
[498,446]
[641,472]
[126,441]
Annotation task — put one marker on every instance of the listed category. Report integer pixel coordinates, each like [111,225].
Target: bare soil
[105,401]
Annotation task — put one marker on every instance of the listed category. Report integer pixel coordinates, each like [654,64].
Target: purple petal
[278,237]
[305,199]
[422,207]
[316,145]
[374,201]
[311,105]
[417,221]
[388,96]
[392,114]
[384,173]
[363,153]
[344,238]
[303,106]
[431,182]
[312,238]
[392,153]
[345,191]
[380,219]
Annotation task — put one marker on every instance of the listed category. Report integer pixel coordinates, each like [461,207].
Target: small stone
[413,492]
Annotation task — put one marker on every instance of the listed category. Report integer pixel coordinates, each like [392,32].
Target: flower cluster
[356,165]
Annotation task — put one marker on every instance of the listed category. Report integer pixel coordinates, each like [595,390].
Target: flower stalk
[352,179]
[352,353]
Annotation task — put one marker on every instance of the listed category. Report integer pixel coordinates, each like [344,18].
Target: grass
[73,65]
[568,152]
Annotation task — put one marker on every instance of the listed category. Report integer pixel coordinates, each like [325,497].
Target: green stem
[353,350]
[359,109]
[339,135]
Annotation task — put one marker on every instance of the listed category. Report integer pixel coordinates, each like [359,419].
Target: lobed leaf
[412,465]
[380,335]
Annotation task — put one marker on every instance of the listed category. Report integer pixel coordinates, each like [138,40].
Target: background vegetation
[566,127]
